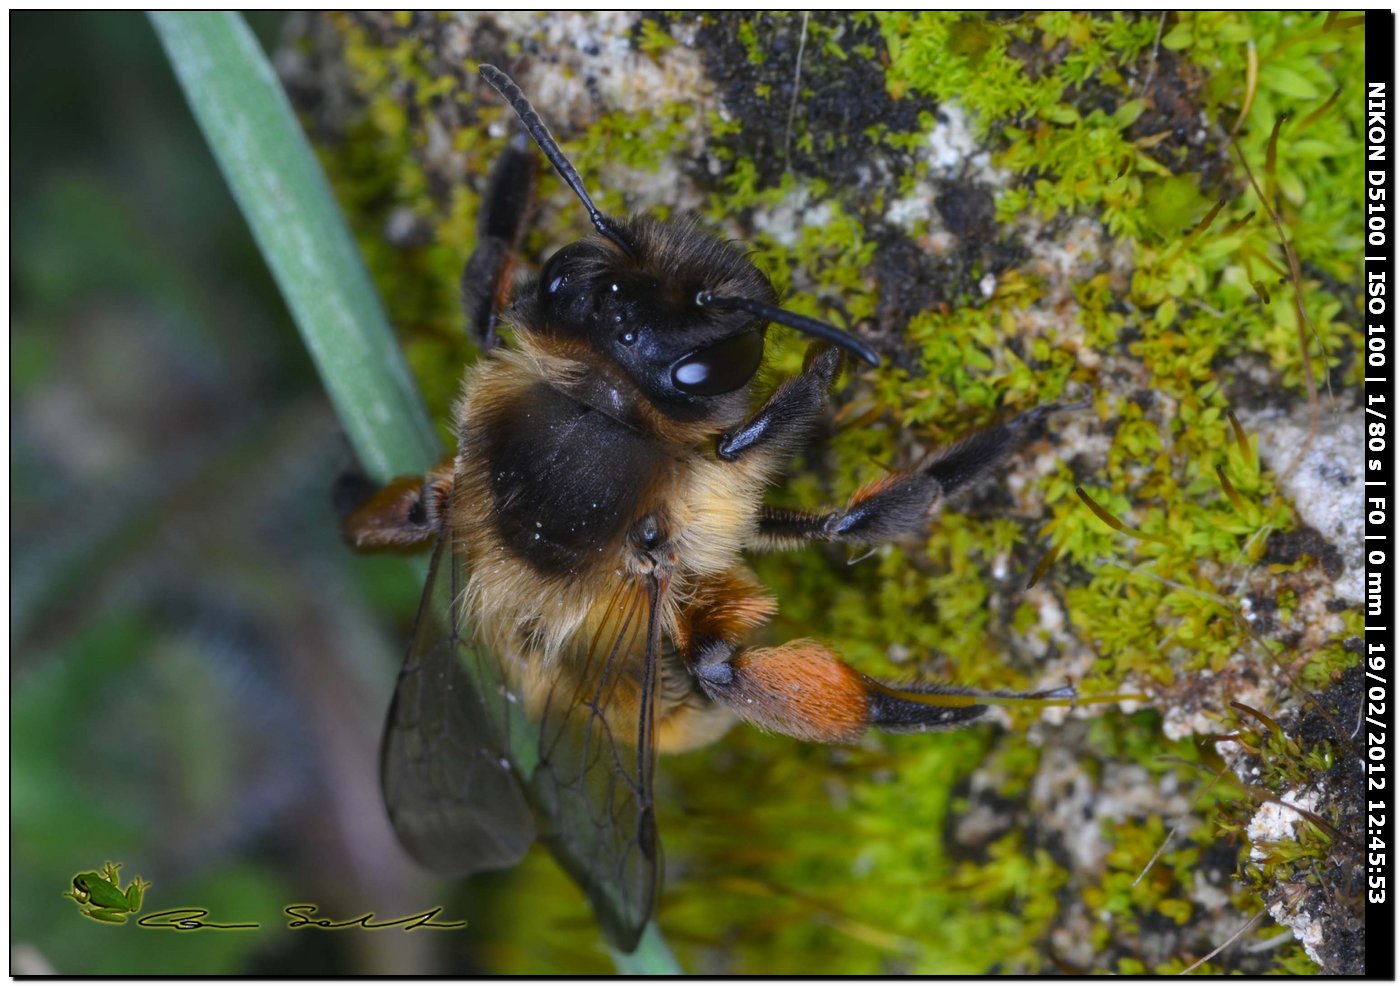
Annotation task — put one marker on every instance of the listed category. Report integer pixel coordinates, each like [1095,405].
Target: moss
[1305,758]
[653,38]
[1127,261]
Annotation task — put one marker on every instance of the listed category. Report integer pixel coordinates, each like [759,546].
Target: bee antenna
[535,127]
[793,321]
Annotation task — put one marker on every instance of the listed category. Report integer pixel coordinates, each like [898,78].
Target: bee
[588,604]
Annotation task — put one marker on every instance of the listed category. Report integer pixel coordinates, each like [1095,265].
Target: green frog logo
[102,896]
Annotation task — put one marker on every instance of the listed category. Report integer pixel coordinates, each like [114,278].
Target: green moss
[748,37]
[654,40]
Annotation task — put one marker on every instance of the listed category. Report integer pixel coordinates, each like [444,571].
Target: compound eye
[720,368]
[556,275]
[566,291]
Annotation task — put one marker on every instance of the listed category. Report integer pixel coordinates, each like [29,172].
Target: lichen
[1093,237]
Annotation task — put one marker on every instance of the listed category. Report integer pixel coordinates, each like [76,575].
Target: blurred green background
[197,684]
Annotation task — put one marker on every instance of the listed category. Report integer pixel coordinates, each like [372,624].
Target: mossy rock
[1015,210]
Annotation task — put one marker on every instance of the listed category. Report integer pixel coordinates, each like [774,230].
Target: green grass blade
[652,958]
[278,184]
[283,193]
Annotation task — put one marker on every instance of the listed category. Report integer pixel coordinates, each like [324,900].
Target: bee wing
[469,780]
[591,784]
[444,763]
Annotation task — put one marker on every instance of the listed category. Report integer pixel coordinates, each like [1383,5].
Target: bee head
[641,309]
[679,311]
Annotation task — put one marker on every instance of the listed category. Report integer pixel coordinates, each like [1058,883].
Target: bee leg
[799,689]
[500,228]
[406,514]
[898,504]
[969,459]
[789,414]
[902,502]
[802,689]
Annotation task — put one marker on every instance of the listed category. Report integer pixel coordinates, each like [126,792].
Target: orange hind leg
[802,688]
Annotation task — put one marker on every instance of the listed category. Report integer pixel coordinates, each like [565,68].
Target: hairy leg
[802,688]
[500,228]
[902,502]
[406,514]
[789,414]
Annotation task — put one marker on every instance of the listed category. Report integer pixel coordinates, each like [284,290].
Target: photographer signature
[300,915]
